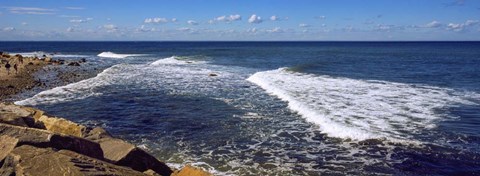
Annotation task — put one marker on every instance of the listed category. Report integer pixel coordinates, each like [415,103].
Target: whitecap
[360,109]
[117,56]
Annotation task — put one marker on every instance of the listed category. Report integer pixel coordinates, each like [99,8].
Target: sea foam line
[359,109]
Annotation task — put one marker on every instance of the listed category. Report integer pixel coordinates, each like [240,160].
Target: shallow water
[281,108]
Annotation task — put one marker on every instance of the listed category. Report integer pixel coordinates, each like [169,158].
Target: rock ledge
[34,143]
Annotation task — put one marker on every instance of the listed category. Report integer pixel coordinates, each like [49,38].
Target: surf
[360,109]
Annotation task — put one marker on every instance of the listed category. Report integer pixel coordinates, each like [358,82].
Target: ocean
[279,108]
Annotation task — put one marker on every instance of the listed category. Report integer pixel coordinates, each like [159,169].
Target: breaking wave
[360,109]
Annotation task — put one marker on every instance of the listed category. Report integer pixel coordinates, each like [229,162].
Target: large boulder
[63,126]
[123,153]
[191,171]
[30,160]
[44,138]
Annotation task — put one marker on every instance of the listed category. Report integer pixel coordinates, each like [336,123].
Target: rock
[44,138]
[26,135]
[48,59]
[123,153]
[83,60]
[73,64]
[150,172]
[212,74]
[15,115]
[30,160]
[97,133]
[7,144]
[63,126]
[191,171]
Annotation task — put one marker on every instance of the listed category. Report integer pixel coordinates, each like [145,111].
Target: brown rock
[30,160]
[97,133]
[123,153]
[48,59]
[44,138]
[7,144]
[191,171]
[73,64]
[14,115]
[63,126]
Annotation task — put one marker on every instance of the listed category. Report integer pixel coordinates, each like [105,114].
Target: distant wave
[117,56]
[175,60]
[360,109]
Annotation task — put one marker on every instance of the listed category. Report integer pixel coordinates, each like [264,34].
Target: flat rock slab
[44,138]
[7,144]
[29,160]
[123,153]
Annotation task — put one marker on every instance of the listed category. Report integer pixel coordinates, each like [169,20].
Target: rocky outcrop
[34,143]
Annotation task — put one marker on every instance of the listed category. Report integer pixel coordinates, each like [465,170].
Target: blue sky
[322,20]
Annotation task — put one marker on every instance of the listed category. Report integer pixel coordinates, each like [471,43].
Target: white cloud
[255,19]
[458,27]
[191,22]
[70,29]
[155,20]
[277,18]
[433,24]
[110,27]
[252,30]
[174,20]
[225,18]
[144,29]
[274,30]
[320,17]
[471,22]
[75,8]
[30,10]
[274,18]
[8,29]
[184,29]
[24,23]
[81,20]
[303,25]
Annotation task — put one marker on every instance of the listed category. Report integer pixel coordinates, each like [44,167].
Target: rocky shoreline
[35,143]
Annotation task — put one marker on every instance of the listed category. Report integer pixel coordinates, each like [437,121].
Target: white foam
[54,55]
[117,56]
[359,109]
[75,91]
[174,60]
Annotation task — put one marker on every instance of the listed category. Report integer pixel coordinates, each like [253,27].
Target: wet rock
[30,160]
[73,64]
[212,74]
[191,171]
[123,153]
[83,60]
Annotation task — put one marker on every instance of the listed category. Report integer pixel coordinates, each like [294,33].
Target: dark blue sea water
[280,108]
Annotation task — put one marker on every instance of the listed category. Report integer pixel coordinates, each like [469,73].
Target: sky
[239,20]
